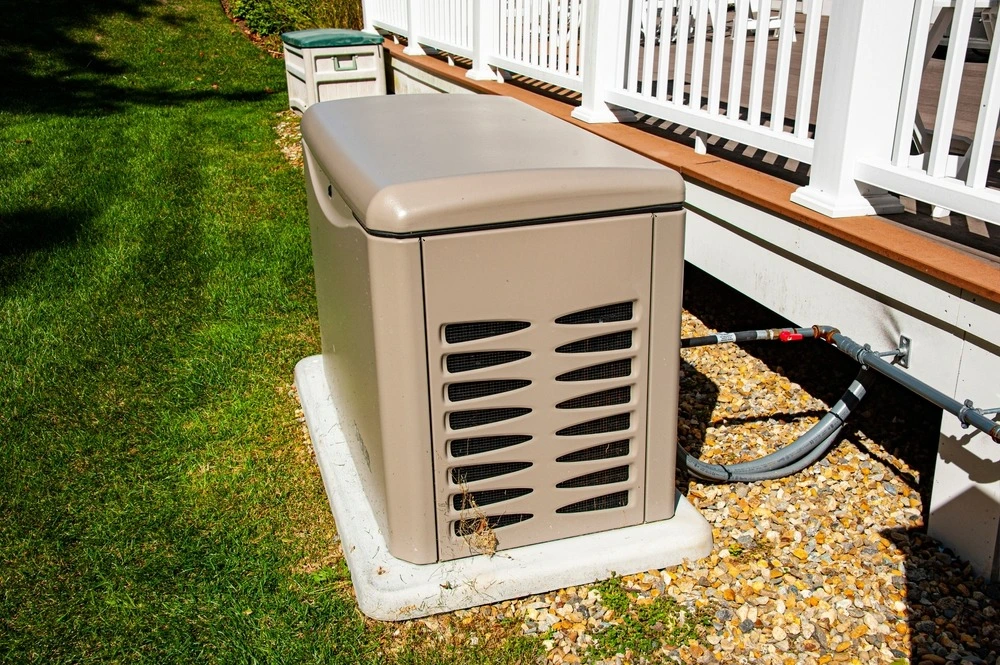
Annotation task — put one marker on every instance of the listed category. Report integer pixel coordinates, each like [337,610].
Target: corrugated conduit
[812,445]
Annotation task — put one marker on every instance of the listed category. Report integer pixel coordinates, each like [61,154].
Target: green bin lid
[329,37]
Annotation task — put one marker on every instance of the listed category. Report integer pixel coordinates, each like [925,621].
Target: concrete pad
[391,589]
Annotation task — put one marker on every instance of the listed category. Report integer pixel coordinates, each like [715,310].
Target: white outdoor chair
[775,21]
[661,12]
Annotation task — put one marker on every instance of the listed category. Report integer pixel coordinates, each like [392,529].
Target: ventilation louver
[523,475]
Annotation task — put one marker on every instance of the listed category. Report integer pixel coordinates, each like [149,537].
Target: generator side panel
[664,364]
[537,358]
[370,302]
[296,78]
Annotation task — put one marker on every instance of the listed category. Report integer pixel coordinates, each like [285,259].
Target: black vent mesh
[464,362]
[606,502]
[459,392]
[619,474]
[470,500]
[613,342]
[603,451]
[604,398]
[621,311]
[613,423]
[610,370]
[472,526]
[466,419]
[470,474]
[456,333]
[484,444]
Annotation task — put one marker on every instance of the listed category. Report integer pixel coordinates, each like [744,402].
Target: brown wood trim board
[760,189]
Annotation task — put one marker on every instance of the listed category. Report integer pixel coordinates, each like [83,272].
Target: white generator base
[391,589]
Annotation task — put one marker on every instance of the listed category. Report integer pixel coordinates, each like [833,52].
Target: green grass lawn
[158,501]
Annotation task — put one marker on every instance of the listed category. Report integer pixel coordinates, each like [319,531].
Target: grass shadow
[28,236]
[951,611]
[53,61]
[46,65]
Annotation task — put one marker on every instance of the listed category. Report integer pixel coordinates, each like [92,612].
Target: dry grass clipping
[475,526]
[289,139]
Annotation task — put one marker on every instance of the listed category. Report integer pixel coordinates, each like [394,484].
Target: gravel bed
[829,565]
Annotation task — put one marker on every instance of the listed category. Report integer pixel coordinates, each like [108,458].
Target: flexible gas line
[809,447]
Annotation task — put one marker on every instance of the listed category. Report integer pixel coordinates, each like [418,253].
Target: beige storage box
[328,64]
[499,300]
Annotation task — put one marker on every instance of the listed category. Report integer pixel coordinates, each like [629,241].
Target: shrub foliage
[268,17]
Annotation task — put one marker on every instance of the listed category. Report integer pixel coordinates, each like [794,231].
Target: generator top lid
[413,164]
[329,38]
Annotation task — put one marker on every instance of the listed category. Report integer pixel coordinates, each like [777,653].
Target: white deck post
[484,27]
[858,104]
[413,15]
[368,15]
[603,37]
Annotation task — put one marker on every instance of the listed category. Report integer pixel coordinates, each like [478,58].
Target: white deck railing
[448,25]
[684,80]
[704,65]
[951,176]
[390,15]
[540,39]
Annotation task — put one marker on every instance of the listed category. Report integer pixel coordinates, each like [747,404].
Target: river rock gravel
[831,565]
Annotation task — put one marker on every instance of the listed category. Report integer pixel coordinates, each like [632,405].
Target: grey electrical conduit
[809,447]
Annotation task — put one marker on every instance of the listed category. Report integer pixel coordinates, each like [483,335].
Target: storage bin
[326,64]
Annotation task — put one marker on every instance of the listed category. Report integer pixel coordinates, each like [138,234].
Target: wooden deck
[963,253]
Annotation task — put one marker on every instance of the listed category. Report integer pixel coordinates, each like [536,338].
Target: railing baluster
[785,35]
[531,32]
[436,22]
[663,66]
[951,82]
[448,19]
[807,70]
[698,57]
[553,32]
[537,23]
[718,53]
[737,59]
[562,36]
[518,27]
[649,47]
[574,37]
[681,52]
[986,125]
[633,44]
[430,10]
[526,33]
[543,33]
[510,17]
[759,61]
